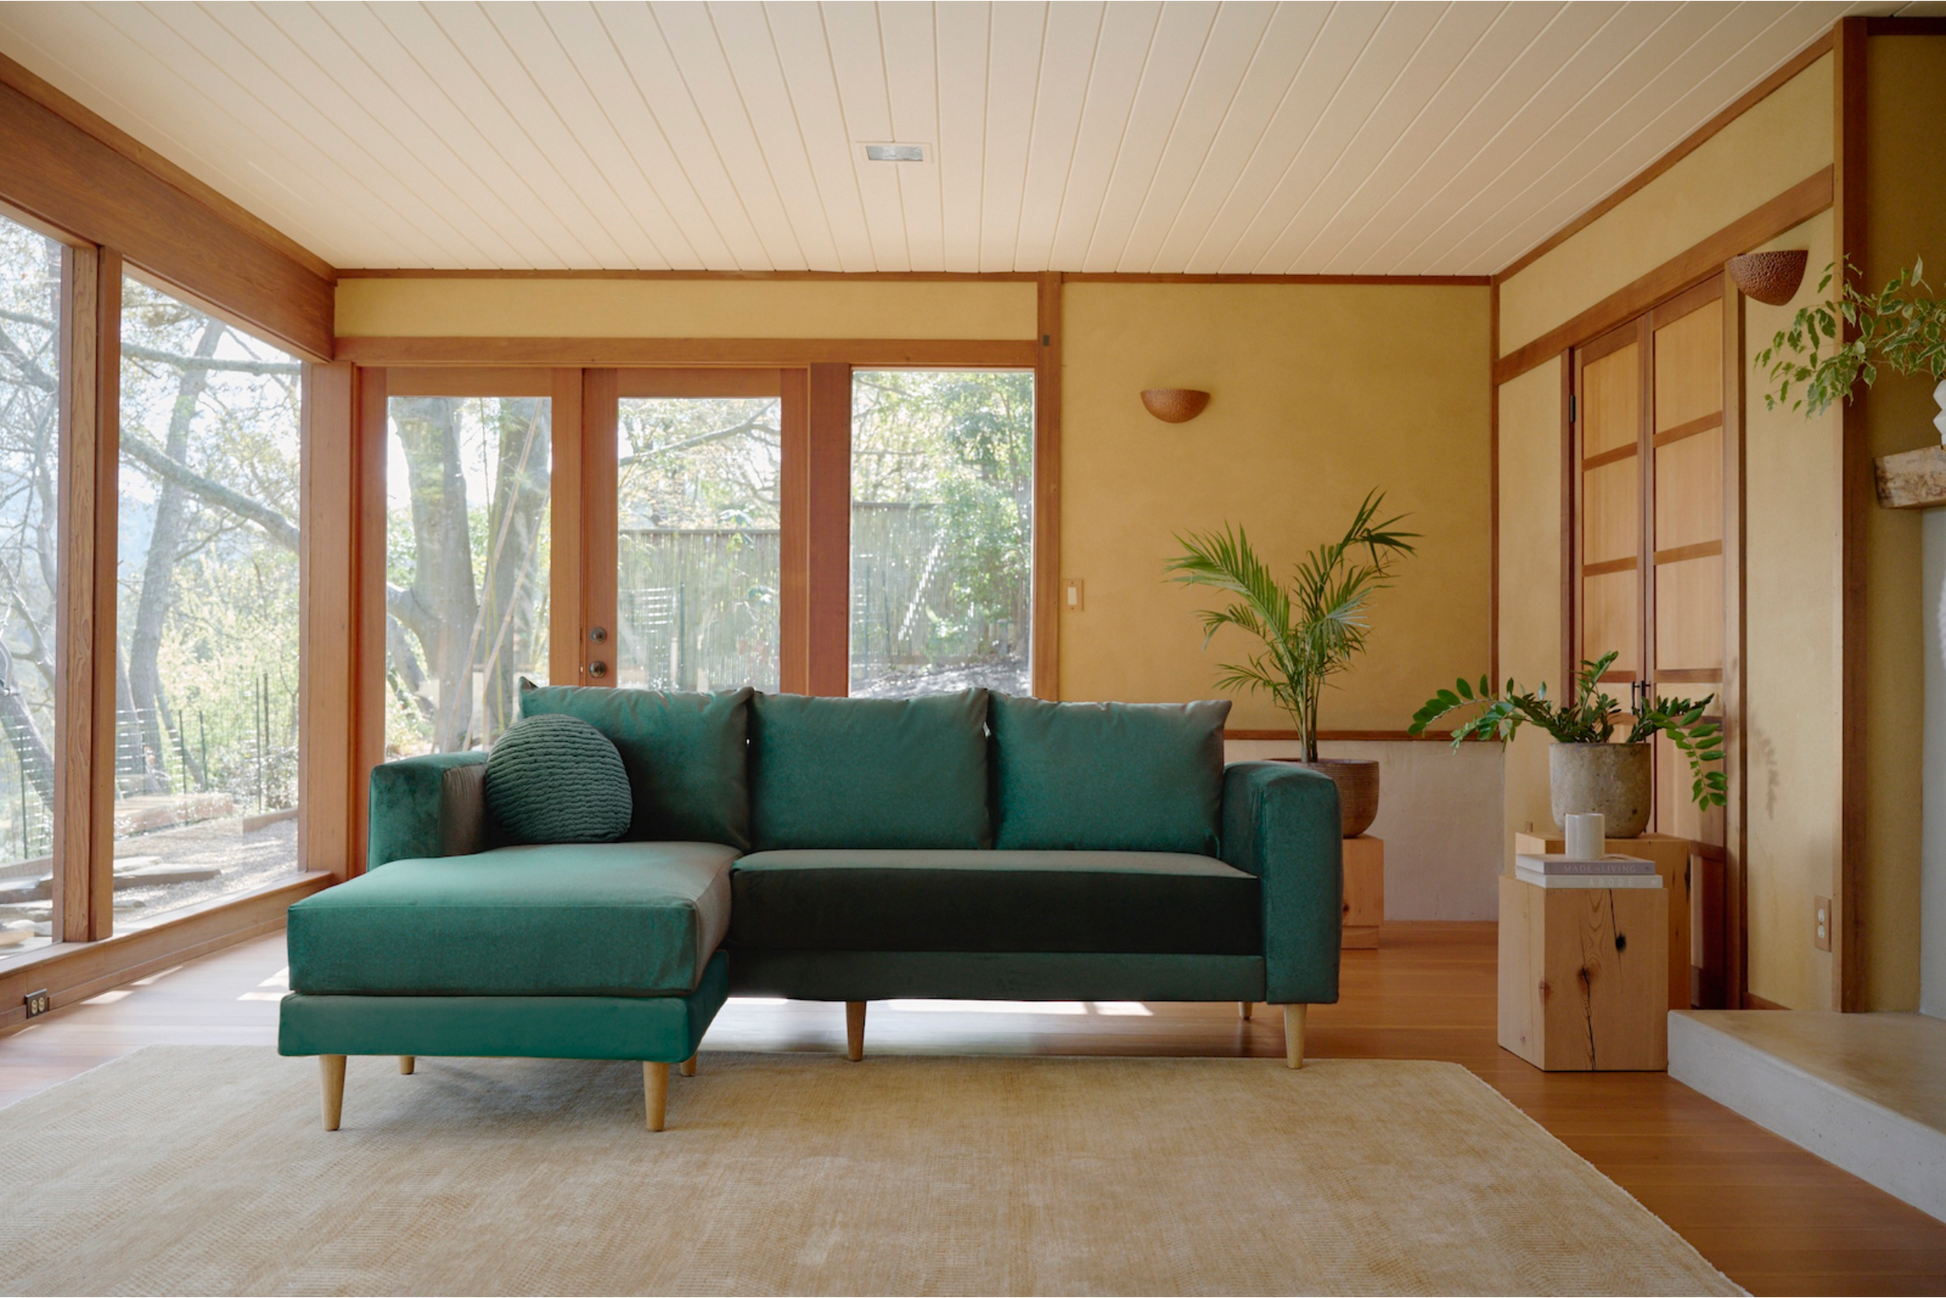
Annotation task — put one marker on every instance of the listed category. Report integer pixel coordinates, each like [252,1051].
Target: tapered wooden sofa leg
[689,1066]
[854,1030]
[331,1071]
[1294,1035]
[655,1093]
[406,1063]
[1243,1010]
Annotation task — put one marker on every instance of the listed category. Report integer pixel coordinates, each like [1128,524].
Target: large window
[207,633]
[697,542]
[467,492]
[942,484]
[30,564]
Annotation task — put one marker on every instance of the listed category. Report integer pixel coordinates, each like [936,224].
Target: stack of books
[1610,871]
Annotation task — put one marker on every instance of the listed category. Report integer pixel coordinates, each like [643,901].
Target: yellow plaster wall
[1319,394]
[1905,149]
[1530,575]
[685,308]
[1791,572]
[1777,143]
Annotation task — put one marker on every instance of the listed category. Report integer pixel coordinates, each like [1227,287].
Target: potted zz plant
[1586,771]
[1310,632]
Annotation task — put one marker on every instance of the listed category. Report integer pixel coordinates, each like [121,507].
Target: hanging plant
[1902,327]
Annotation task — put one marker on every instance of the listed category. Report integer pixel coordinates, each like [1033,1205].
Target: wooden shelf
[1912,479]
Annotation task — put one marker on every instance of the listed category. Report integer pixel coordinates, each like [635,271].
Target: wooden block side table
[1583,976]
[1364,892]
[1671,857]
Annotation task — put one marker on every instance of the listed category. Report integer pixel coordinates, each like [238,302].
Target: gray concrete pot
[1617,780]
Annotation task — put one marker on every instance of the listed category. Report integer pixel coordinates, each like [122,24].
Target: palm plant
[1311,631]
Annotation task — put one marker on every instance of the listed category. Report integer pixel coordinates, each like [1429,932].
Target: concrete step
[1864,1091]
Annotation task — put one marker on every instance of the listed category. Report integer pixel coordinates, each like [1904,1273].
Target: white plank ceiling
[1354,138]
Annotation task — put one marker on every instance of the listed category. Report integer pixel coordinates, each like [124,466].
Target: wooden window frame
[815,486]
[118,206]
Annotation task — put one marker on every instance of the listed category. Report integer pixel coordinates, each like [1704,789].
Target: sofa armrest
[433,805]
[1280,823]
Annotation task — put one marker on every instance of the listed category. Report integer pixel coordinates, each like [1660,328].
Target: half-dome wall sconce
[1770,277]
[1175,405]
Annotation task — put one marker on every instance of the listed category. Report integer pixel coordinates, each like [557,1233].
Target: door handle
[597,669]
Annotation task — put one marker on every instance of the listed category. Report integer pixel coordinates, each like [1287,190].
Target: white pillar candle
[1587,836]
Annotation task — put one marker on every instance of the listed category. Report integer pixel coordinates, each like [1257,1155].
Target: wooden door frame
[1733,690]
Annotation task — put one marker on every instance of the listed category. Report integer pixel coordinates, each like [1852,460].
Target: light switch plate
[1073,600]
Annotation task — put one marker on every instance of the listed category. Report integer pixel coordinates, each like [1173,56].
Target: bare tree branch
[152,457]
[226,364]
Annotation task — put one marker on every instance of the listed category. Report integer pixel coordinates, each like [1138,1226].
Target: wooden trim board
[1345,736]
[328,615]
[54,167]
[1857,497]
[43,92]
[367,687]
[741,353]
[567,493]
[1749,99]
[827,530]
[1045,644]
[1687,269]
[72,972]
[1735,685]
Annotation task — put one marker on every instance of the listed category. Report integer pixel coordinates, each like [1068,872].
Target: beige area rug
[185,1169]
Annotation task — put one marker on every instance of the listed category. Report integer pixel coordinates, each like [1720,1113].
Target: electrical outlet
[1821,923]
[36,1003]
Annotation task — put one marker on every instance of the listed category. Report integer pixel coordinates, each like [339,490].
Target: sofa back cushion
[1108,777]
[685,755]
[869,773]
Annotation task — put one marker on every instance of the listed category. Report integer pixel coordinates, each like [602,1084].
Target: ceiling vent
[895,152]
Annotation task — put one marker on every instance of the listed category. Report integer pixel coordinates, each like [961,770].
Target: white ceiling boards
[1412,139]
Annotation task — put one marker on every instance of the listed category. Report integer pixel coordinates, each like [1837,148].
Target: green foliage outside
[942,541]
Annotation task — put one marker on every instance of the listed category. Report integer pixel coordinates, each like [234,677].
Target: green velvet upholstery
[660,1029]
[1280,823]
[557,779]
[588,919]
[869,773]
[1007,976]
[863,900]
[429,806]
[685,755]
[1138,777]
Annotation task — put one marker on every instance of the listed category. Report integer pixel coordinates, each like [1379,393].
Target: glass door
[691,595]
[468,487]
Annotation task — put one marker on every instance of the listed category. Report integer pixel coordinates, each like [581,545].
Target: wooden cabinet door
[1686,580]
[1648,526]
[1609,400]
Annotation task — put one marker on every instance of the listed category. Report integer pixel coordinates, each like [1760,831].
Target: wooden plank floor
[1775,1219]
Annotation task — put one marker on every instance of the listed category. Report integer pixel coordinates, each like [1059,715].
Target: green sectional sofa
[970,846]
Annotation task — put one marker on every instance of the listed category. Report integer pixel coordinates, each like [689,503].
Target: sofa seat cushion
[895,900]
[588,919]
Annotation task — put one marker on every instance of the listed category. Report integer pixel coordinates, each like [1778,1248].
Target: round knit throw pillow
[557,779]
